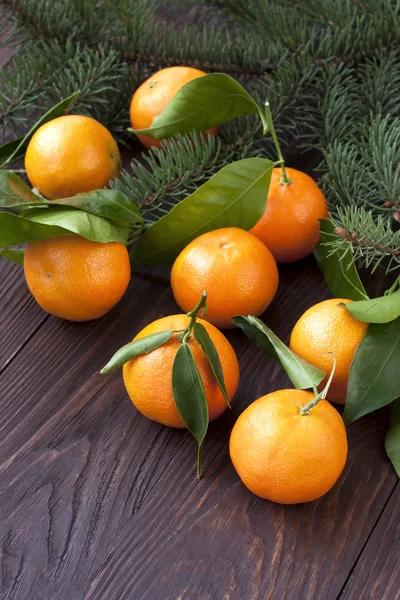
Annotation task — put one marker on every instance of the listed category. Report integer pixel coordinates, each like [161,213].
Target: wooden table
[99,503]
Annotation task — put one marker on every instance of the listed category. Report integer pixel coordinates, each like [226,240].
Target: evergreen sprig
[53,71]
[162,179]
[369,240]
[329,68]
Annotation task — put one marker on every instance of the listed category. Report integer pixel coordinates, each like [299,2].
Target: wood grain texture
[214,539]
[98,502]
[20,316]
[6,52]
[377,573]
[74,449]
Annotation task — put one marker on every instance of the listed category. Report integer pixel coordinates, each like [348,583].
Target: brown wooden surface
[98,503]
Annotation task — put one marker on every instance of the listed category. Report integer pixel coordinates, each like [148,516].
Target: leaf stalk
[305,410]
[270,126]
[202,304]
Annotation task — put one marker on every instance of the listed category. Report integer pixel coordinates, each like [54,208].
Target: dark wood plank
[75,450]
[214,539]
[97,502]
[6,52]
[20,316]
[203,540]
[377,573]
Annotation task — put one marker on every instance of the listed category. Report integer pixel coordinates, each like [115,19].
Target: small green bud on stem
[305,410]
[200,306]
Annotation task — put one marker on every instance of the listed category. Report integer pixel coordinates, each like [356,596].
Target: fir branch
[131,29]
[166,177]
[329,69]
[372,242]
[52,71]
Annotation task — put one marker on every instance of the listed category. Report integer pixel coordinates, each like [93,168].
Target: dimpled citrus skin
[154,94]
[329,327]
[284,456]
[236,270]
[71,155]
[289,226]
[75,279]
[148,377]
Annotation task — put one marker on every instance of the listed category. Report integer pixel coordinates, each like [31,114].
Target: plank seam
[347,581]
[26,341]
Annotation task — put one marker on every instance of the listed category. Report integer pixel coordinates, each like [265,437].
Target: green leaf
[301,373]
[374,379]
[14,150]
[110,204]
[339,270]
[89,226]
[14,192]
[15,255]
[202,337]
[392,440]
[378,310]
[235,197]
[190,397]
[15,230]
[141,346]
[9,149]
[201,104]
[43,224]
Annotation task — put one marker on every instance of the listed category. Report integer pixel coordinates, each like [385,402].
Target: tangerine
[325,328]
[289,226]
[76,279]
[237,270]
[71,155]
[285,456]
[148,377]
[150,99]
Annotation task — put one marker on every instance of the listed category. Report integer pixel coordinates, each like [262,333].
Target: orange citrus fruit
[237,270]
[148,377]
[289,226]
[75,279]
[329,327]
[71,155]
[154,94]
[284,456]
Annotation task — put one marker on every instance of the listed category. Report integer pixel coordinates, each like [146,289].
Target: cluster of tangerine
[79,280]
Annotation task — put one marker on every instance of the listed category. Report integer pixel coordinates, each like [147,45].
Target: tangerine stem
[285,179]
[193,316]
[305,410]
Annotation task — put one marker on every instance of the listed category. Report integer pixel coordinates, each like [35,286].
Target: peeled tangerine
[285,456]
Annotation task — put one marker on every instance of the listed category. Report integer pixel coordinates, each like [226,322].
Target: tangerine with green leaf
[149,359]
[288,450]
[180,371]
[148,380]
[237,270]
[70,155]
[326,328]
[150,99]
